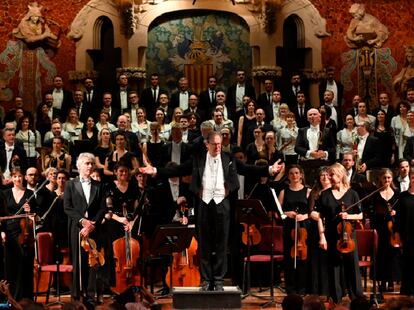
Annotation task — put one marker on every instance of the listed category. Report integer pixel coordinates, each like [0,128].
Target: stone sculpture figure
[365,29]
[405,79]
[33,28]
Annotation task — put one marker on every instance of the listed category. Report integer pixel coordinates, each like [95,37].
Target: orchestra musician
[382,212]
[214,176]
[294,201]
[84,204]
[122,200]
[330,207]
[18,238]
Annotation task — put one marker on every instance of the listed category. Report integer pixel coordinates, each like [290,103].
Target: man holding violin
[84,204]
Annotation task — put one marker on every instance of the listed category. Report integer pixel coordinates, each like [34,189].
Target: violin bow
[361,200]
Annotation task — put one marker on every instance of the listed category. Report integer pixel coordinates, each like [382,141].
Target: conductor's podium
[193,298]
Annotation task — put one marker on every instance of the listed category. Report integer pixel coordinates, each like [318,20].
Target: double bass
[126,252]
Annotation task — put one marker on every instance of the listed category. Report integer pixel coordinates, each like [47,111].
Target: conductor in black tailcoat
[84,205]
[214,177]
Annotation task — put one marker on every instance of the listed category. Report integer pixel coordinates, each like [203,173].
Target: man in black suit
[120,95]
[92,97]
[10,115]
[369,155]
[107,107]
[166,107]
[336,114]
[150,96]
[291,91]
[182,95]
[207,98]
[265,99]
[315,146]
[300,109]
[355,102]
[84,204]
[131,137]
[82,107]
[272,110]
[194,107]
[175,150]
[62,99]
[384,104]
[402,180]
[333,85]
[214,177]
[11,155]
[235,95]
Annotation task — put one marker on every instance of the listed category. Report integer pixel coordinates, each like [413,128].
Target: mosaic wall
[198,45]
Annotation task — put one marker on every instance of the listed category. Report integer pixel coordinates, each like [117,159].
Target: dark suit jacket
[75,206]
[263,101]
[116,98]
[371,154]
[231,96]
[175,98]
[67,103]
[95,104]
[17,151]
[231,167]
[300,121]
[147,101]
[200,112]
[328,145]
[322,88]
[204,101]
[167,150]
[408,152]
[86,112]
[289,97]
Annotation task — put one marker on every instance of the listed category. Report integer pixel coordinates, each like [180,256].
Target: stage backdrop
[197,44]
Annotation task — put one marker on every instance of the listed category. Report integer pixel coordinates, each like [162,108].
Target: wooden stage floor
[247,303]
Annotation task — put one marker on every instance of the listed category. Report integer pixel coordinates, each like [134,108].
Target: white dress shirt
[213,180]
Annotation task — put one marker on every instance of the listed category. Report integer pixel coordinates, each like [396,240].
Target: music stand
[169,239]
[250,211]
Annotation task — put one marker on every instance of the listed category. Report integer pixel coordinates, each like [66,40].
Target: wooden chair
[367,248]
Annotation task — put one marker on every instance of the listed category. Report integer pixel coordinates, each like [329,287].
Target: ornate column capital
[266,72]
[79,75]
[135,73]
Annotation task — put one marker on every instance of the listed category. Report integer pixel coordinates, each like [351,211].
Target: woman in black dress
[90,133]
[318,278]
[343,269]
[388,257]
[245,122]
[19,252]
[121,152]
[152,148]
[294,201]
[386,140]
[122,200]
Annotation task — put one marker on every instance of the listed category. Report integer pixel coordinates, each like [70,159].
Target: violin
[95,258]
[251,235]
[299,235]
[395,240]
[345,244]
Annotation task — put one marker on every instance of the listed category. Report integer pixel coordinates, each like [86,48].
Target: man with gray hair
[84,204]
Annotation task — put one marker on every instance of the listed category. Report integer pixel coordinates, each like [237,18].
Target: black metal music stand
[169,239]
[250,211]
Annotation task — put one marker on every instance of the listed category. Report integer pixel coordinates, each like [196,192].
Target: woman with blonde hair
[332,208]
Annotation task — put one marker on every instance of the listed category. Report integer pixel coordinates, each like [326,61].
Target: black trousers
[213,232]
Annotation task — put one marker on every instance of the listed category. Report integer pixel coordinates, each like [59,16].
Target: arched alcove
[197,44]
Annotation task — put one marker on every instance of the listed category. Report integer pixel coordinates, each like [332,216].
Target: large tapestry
[197,44]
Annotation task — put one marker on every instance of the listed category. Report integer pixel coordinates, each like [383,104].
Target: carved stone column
[77,77]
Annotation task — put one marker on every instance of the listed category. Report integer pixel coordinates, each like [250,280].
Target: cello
[126,252]
[185,270]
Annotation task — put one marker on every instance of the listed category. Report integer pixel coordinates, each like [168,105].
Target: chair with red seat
[367,248]
[47,263]
[265,248]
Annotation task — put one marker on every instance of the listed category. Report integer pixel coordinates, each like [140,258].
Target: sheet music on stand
[278,205]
